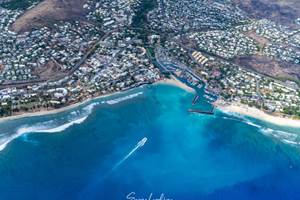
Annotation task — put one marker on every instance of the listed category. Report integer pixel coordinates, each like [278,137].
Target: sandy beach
[54,111]
[221,105]
[175,82]
[258,114]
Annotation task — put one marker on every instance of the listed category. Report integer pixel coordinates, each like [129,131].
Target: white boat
[142,142]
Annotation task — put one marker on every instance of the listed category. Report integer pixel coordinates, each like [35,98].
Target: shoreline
[168,81]
[223,106]
[255,113]
[53,111]
[175,82]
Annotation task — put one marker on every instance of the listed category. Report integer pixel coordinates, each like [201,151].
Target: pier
[195,100]
[210,112]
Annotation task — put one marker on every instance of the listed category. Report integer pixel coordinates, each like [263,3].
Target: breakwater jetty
[210,112]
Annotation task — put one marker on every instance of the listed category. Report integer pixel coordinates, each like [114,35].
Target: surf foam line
[75,117]
[240,118]
[56,129]
[118,100]
[39,129]
[283,136]
[43,128]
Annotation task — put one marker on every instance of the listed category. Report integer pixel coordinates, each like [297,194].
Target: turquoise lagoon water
[92,152]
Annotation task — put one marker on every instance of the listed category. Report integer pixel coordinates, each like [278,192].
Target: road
[70,72]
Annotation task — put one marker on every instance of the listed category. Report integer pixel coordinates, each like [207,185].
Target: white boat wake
[140,144]
[86,192]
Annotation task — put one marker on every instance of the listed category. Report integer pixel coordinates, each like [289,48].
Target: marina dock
[195,100]
[210,112]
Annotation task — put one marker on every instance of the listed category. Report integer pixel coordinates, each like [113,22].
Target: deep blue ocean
[92,152]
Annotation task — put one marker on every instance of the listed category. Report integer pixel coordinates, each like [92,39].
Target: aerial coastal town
[116,45]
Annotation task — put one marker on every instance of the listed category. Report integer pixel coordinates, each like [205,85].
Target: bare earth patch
[259,39]
[270,66]
[51,70]
[280,11]
[48,12]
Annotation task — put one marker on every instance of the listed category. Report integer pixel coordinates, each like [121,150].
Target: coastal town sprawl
[122,44]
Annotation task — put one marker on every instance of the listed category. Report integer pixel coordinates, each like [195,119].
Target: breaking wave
[55,125]
[39,128]
[45,129]
[240,118]
[51,126]
[252,124]
[118,100]
[283,136]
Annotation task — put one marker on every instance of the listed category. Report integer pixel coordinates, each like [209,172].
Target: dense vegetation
[139,22]
[140,18]
[293,111]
